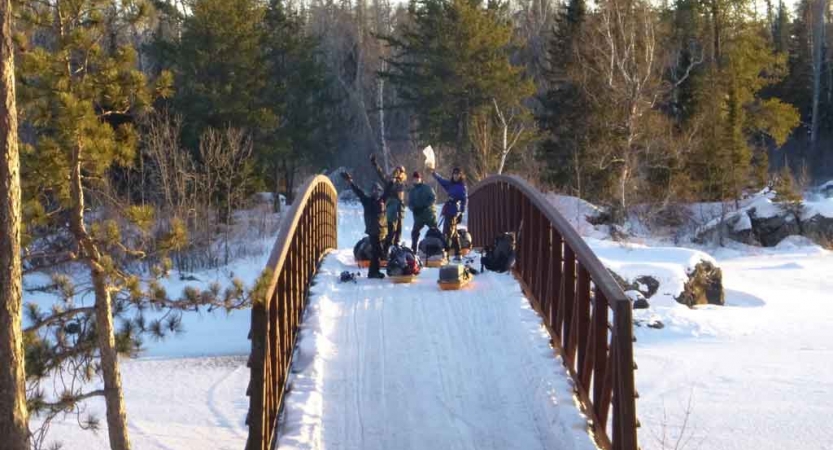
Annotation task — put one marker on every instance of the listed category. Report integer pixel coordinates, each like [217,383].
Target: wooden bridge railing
[308,231]
[575,295]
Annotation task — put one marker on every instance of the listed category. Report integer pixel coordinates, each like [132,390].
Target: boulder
[647,285]
[644,285]
[638,300]
[769,231]
[819,229]
[704,286]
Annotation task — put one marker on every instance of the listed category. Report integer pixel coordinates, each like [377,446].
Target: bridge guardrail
[573,292]
[308,232]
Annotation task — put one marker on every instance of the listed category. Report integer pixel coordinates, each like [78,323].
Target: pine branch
[59,317]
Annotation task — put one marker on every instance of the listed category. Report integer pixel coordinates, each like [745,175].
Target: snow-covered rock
[765,222]
[679,275]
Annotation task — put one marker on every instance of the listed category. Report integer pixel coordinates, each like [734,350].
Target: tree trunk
[116,415]
[818,46]
[14,418]
[381,100]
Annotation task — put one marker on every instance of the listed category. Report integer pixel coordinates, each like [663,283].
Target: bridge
[584,311]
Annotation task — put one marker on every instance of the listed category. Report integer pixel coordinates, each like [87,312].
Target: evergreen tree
[738,120]
[565,106]
[451,65]
[220,76]
[299,94]
[80,93]
[14,416]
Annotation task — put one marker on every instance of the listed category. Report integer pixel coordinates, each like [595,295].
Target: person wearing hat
[395,204]
[421,200]
[454,207]
[374,221]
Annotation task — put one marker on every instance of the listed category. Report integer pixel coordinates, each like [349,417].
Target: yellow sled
[365,263]
[453,277]
[436,263]
[463,251]
[403,279]
[454,285]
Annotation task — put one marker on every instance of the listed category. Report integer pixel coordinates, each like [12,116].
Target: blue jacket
[457,194]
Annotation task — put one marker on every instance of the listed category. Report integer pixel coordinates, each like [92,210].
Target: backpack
[431,247]
[501,256]
[402,261]
[435,233]
[465,238]
[362,251]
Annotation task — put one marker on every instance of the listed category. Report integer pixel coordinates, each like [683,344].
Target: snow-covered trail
[384,366]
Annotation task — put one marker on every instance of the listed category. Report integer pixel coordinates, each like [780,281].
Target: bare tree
[13,412]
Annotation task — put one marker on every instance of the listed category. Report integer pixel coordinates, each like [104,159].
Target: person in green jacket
[421,200]
[395,203]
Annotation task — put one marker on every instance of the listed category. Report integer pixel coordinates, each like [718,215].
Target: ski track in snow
[413,367]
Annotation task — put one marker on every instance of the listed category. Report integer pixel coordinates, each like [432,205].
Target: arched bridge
[583,310]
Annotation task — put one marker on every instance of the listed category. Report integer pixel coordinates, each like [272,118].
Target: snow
[471,368]
[384,366]
[759,375]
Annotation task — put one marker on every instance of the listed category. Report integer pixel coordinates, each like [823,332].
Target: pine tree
[81,94]
[14,416]
[450,66]
[565,106]
[299,95]
[738,120]
[220,76]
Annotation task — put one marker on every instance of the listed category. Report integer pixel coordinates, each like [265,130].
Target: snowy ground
[385,366]
[755,374]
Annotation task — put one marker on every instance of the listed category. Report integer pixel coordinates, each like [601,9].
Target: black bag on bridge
[500,257]
[363,250]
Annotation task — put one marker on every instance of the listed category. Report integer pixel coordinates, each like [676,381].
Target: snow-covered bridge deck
[385,366]
[374,365]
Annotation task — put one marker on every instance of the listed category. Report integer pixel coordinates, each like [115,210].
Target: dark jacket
[421,198]
[395,202]
[374,212]
[457,195]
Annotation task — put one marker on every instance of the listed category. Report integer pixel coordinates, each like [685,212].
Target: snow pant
[452,239]
[424,218]
[394,231]
[375,254]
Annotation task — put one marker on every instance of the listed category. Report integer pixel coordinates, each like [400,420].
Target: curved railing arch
[574,293]
[308,232]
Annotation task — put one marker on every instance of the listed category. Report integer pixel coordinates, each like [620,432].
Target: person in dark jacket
[454,207]
[421,200]
[395,203]
[374,221]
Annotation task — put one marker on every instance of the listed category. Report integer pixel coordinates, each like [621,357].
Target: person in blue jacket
[454,207]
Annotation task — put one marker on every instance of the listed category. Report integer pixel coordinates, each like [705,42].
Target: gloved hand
[346,177]
[373,158]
